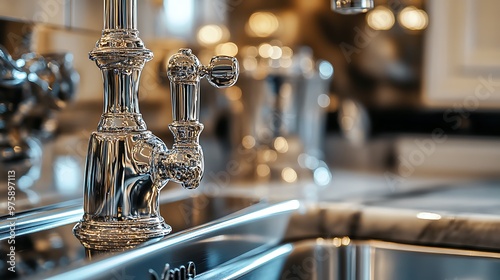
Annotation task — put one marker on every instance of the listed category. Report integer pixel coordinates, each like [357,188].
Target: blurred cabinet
[68,13]
[87,14]
[45,11]
[462,64]
[79,14]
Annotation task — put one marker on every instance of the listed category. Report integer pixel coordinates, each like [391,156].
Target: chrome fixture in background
[277,132]
[349,7]
[33,88]
[127,165]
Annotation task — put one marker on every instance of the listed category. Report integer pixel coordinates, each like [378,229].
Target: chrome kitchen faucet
[127,165]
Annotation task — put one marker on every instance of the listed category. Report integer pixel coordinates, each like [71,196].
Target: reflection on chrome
[127,165]
[235,270]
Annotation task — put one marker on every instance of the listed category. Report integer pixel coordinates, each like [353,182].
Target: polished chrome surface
[121,193]
[288,240]
[352,6]
[222,71]
[127,165]
[185,72]
[120,14]
[253,230]
[39,219]
[184,163]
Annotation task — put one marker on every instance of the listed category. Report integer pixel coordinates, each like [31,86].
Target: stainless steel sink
[342,258]
[248,232]
[285,240]
[45,242]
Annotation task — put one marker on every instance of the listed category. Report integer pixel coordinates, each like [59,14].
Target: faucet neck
[185,101]
[121,55]
[121,101]
[120,14]
[121,90]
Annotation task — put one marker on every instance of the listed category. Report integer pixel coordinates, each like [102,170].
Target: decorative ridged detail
[119,235]
[186,132]
[121,49]
[184,67]
[122,122]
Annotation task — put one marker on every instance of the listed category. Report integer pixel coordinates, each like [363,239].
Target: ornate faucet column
[127,165]
[121,195]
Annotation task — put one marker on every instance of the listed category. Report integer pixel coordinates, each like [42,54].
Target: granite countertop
[443,212]
[466,216]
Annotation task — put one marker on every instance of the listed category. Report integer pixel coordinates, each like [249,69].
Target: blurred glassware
[354,121]
[277,124]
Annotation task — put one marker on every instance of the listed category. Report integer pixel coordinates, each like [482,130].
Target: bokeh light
[413,19]
[228,48]
[263,24]
[210,34]
[289,175]
[380,18]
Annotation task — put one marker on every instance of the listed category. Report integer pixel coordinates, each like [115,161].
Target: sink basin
[250,231]
[343,258]
[45,242]
[283,240]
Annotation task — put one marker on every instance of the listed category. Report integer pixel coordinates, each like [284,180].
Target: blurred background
[403,96]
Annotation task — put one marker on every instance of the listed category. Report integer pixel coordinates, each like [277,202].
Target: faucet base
[120,235]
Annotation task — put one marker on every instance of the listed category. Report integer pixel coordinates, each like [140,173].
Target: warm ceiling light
[289,175]
[413,19]
[250,51]
[234,93]
[210,34]
[280,144]
[286,52]
[248,142]
[228,48]
[265,50]
[250,63]
[263,24]
[276,52]
[263,170]
[381,18]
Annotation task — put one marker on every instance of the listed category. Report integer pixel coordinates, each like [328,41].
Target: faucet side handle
[185,72]
[222,71]
[185,68]
[184,163]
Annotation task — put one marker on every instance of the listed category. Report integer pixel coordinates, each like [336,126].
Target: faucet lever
[185,72]
[184,163]
[223,71]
